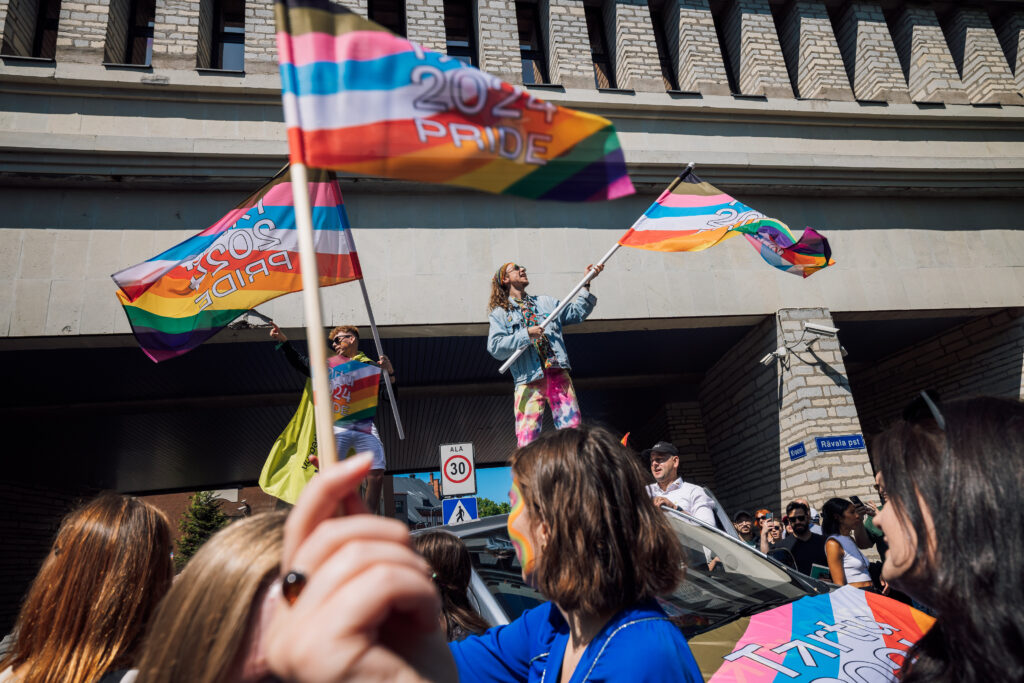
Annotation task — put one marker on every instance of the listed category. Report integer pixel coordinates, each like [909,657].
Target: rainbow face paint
[518,530]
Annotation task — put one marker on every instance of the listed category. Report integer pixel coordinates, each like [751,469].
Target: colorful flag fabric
[847,635]
[361,99]
[692,215]
[187,294]
[354,390]
[289,466]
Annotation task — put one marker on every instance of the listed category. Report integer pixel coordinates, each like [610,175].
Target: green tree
[202,519]
[486,507]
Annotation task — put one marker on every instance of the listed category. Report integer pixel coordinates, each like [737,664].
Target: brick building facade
[896,128]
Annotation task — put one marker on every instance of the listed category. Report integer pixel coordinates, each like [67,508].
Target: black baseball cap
[661,447]
[740,513]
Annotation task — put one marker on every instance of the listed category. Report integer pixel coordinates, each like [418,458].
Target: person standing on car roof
[669,489]
[541,374]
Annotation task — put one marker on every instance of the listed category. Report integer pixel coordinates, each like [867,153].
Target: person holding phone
[771,533]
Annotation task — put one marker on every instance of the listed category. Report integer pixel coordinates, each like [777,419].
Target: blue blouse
[638,644]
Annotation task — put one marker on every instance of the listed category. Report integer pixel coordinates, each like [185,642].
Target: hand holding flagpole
[591,274]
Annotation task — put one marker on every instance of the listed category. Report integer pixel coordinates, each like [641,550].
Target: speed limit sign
[458,472]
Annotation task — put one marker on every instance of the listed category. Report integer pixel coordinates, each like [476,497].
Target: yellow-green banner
[288,468]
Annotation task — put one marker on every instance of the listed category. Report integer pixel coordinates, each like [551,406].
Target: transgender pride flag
[178,299]
[361,99]
[691,215]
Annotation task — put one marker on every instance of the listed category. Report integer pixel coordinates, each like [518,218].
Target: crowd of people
[328,592]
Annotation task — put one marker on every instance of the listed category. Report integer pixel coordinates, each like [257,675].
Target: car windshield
[725,579]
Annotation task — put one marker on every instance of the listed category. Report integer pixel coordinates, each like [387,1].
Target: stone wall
[869,54]
[568,44]
[498,38]
[18,18]
[812,54]
[117,32]
[686,430]
[979,57]
[693,43]
[925,57]
[754,49]
[1010,30]
[981,358]
[176,34]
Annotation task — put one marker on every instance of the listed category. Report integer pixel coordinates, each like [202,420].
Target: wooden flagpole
[376,341]
[568,298]
[326,448]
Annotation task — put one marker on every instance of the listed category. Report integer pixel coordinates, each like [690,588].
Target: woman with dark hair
[953,479]
[448,558]
[208,627]
[590,539]
[846,563]
[86,610]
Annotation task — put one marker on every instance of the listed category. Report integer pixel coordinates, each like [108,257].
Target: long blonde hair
[201,626]
[86,610]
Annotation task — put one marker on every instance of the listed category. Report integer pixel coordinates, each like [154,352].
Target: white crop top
[855,565]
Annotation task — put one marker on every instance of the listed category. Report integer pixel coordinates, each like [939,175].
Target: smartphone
[856,501]
[769,517]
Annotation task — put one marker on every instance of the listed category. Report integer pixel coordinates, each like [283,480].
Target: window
[228,35]
[388,13]
[660,16]
[531,44]
[604,74]
[140,34]
[399,505]
[460,34]
[31,29]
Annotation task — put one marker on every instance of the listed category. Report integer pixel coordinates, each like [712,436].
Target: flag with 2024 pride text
[177,300]
[361,99]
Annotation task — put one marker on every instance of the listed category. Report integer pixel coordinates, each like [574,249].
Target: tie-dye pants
[555,387]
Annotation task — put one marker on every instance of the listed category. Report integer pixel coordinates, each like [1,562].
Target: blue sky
[491,482]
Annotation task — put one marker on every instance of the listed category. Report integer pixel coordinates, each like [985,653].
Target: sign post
[458,471]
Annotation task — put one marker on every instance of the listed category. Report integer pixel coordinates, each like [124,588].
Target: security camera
[768,359]
[821,330]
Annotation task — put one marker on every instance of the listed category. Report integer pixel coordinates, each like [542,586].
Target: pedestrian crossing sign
[458,510]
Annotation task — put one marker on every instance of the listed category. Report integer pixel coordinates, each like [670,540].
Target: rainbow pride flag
[691,215]
[361,99]
[354,390]
[847,635]
[177,300]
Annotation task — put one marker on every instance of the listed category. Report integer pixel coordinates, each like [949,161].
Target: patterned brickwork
[815,401]
[686,431]
[983,357]
[260,44]
[17,25]
[869,54]
[812,53]
[979,57]
[568,44]
[82,31]
[754,49]
[1011,36]
[425,24]
[176,34]
[117,32]
[925,57]
[694,46]
[635,52]
[498,38]
[740,416]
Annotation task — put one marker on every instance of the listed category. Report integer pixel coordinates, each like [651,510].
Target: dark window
[399,505]
[604,74]
[460,35]
[388,13]
[659,18]
[531,43]
[140,33]
[31,28]
[228,35]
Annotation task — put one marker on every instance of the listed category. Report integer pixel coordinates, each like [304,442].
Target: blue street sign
[797,451]
[458,510]
[852,442]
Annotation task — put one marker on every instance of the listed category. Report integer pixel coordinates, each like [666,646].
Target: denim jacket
[508,332]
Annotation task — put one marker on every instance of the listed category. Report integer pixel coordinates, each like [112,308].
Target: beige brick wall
[754,49]
[82,31]
[979,58]
[981,358]
[425,24]
[686,430]
[18,25]
[925,57]
[1010,30]
[635,53]
[176,37]
[695,50]
[812,54]
[568,44]
[498,38]
[869,54]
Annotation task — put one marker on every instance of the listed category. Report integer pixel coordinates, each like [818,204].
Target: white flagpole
[561,306]
[326,450]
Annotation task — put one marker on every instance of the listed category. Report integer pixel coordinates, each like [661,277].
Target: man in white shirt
[669,488]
